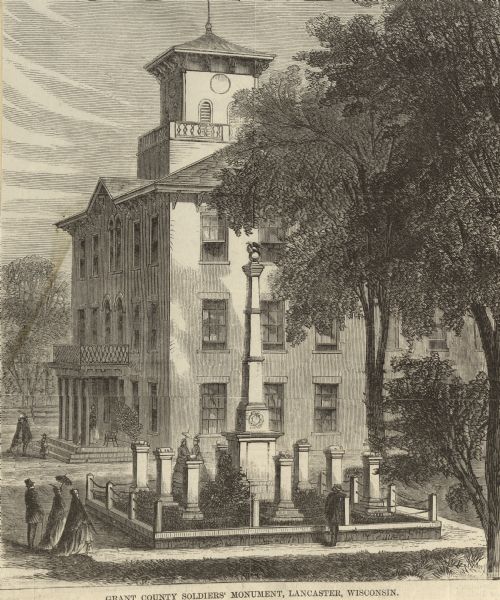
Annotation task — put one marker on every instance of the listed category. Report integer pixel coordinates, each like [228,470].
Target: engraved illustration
[261,341]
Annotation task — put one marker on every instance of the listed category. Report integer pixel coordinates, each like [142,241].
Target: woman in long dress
[178,476]
[77,535]
[55,522]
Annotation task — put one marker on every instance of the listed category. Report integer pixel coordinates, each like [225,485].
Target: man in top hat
[334,512]
[34,511]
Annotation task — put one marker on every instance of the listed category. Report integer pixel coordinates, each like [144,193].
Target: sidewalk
[454,535]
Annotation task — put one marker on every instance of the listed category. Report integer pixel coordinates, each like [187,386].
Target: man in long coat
[334,512]
[34,511]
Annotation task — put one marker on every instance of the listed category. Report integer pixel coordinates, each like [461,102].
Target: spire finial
[208,26]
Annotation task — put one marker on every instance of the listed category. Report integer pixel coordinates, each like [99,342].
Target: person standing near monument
[334,508]
[34,511]
[25,433]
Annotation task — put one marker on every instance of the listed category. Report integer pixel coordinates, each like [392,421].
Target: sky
[76,96]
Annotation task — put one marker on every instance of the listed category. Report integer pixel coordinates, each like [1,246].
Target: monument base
[192,513]
[286,511]
[372,506]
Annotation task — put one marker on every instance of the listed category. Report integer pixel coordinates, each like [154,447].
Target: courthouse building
[159,295]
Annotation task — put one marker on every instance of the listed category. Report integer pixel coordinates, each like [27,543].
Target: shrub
[311,504]
[226,500]
[126,420]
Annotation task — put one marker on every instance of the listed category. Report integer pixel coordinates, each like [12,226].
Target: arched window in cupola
[205,111]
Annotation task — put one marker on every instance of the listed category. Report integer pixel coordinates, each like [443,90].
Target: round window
[220,83]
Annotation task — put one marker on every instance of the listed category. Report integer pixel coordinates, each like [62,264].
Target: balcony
[190,130]
[91,355]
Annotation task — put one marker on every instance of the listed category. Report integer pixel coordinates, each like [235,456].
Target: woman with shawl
[77,535]
[55,522]
[178,476]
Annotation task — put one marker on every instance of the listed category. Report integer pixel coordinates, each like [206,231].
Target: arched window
[111,244]
[120,322]
[205,111]
[231,114]
[107,322]
[118,244]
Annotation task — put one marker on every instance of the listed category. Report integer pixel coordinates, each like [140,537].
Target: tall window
[83,258]
[120,322]
[274,394]
[153,250]
[271,239]
[213,398]
[328,340]
[136,260]
[213,238]
[437,339]
[81,326]
[118,244]
[273,325]
[205,111]
[135,396]
[136,327]
[325,407]
[153,399]
[214,324]
[153,326]
[94,325]
[111,244]
[107,322]
[95,255]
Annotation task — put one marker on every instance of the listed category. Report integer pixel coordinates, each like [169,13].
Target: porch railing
[106,354]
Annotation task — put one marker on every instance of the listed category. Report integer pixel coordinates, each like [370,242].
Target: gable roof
[116,186]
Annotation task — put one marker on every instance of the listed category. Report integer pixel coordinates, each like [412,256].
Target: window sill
[223,351]
[275,351]
[153,433]
[438,349]
[218,262]
[326,432]
[327,351]
[210,435]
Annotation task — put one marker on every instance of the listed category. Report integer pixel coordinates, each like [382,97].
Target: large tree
[330,162]
[34,310]
[440,60]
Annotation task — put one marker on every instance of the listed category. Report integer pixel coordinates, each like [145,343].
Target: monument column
[256,444]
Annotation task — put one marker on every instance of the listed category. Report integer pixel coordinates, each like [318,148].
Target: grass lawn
[363,566]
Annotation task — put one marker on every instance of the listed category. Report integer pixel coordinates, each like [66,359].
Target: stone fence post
[164,458]
[391,498]
[89,487]
[286,510]
[346,502]
[371,500]
[302,449]
[432,504]
[131,504]
[109,495]
[158,517]
[255,511]
[140,455]
[334,456]
[353,490]
[192,511]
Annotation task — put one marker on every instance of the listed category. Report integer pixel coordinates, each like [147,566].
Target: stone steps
[68,452]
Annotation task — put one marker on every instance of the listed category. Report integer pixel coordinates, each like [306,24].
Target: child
[44,446]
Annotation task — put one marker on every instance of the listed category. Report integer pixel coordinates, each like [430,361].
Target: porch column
[62,409]
[371,501]
[140,454]
[69,408]
[86,412]
[79,412]
[334,456]
[192,511]
[164,458]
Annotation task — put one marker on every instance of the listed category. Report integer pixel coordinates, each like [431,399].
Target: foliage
[439,424]
[311,504]
[331,162]
[126,419]
[457,498]
[227,498]
[35,313]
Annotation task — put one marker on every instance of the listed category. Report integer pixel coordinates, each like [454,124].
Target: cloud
[26,64]
[42,7]
[11,162]
[20,135]
[40,96]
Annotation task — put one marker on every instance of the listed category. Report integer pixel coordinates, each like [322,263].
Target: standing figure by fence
[44,446]
[334,512]
[34,511]
[56,520]
[178,478]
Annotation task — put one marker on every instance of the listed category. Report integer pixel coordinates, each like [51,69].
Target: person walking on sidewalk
[334,509]
[34,511]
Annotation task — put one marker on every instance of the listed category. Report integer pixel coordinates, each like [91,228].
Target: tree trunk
[490,339]
[374,379]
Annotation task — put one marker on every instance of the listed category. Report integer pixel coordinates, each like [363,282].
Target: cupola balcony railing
[204,131]
[106,354]
[188,130]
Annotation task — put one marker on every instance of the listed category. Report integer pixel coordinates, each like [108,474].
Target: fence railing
[108,354]
[153,138]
